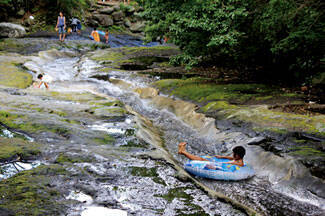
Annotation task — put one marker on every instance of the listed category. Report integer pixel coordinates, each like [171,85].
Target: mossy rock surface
[11,147]
[243,102]
[105,139]
[12,75]
[147,172]
[30,193]
[70,158]
[76,97]
[135,56]
[24,123]
[204,90]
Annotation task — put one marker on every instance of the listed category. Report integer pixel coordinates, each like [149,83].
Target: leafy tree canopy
[278,35]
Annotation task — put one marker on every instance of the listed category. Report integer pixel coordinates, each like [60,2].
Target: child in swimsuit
[236,159]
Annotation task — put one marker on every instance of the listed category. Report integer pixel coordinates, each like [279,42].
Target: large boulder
[127,23]
[103,20]
[137,27]
[117,8]
[118,15]
[11,30]
[107,10]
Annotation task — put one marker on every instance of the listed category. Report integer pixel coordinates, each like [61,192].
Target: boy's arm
[238,163]
[225,157]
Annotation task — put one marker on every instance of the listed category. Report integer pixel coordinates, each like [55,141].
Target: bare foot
[181,147]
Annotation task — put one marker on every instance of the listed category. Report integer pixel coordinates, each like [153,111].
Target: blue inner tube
[223,171]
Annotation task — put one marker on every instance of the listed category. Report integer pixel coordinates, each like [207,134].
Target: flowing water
[141,174]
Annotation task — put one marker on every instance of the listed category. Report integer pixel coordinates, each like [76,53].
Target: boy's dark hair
[39,76]
[240,151]
[95,29]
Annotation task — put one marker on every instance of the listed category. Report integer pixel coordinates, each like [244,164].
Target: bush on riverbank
[279,39]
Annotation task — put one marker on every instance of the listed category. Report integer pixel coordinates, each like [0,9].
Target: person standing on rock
[61,26]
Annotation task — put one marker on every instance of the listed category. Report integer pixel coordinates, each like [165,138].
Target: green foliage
[275,35]
[70,8]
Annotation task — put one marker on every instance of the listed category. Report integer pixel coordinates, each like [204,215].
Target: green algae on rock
[11,147]
[11,75]
[138,56]
[23,123]
[32,192]
[229,101]
[70,158]
[147,172]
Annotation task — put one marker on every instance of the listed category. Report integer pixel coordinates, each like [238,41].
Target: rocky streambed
[103,140]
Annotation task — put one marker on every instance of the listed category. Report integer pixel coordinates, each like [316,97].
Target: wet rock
[118,16]
[107,10]
[117,8]
[20,193]
[137,27]
[11,74]
[6,212]
[146,93]
[256,141]
[16,147]
[131,10]
[104,20]
[92,22]
[11,30]
[127,23]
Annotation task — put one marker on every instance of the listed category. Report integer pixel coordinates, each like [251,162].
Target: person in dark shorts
[61,25]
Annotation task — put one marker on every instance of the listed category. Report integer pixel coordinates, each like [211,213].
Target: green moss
[177,193]
[217,105]
[104,140]
[64,158]
[147,172]
[18,147]
[264,98]
[108,56]
[76,97]
[116,56]
[221,97]
[13,76]
[203,90]
[21,122]
[307,151]
[58,112]
[10,45]
[75,122]
[29,192]
[108,111]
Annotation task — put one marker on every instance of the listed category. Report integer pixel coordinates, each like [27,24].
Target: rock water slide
[109,144]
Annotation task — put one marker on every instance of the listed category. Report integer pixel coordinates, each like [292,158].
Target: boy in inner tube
[237,158]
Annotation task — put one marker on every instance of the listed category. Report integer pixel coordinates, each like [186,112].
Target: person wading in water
[61,26]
